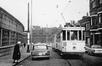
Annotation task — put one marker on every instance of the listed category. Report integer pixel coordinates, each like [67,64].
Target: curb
[21,61]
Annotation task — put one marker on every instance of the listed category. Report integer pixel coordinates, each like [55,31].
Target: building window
[91,1]
[0,15]
[100,1]
[94,4]
[94,20]
[97,39]
[87,26]
[100,18]
[91,20]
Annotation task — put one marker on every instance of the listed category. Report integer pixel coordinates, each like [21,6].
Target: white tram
[70,40]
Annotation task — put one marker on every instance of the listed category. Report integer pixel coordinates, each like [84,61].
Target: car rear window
[40,47]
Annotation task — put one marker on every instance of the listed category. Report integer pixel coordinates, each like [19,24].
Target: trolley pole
[28,33]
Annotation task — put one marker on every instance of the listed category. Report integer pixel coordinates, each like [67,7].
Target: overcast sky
[47,12]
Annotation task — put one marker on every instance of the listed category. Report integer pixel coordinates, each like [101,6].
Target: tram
[70,40]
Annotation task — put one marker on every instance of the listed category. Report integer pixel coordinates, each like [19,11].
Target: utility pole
[31,21]
[28,33]
[46,34]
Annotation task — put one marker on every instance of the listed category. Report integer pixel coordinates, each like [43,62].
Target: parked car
[40,51]
[95,50]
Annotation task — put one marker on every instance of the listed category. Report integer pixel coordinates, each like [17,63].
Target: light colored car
[40,51]
[94,50]
[97,49]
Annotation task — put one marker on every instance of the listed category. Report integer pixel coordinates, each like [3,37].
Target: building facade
[11,31]
[85,22]
[96,22]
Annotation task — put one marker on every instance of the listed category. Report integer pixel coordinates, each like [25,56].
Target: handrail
[2,47]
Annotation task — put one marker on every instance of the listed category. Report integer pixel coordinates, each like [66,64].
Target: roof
[74,28]
[11,16]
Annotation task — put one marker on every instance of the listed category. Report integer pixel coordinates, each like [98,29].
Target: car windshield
[40,47]
[96,46]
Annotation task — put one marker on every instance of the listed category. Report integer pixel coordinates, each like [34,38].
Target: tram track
[69,62]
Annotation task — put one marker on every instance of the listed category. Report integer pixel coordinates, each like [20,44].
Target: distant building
[44,34]
[36,27]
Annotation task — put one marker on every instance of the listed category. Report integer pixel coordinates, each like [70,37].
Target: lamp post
[31,21]
[28,33]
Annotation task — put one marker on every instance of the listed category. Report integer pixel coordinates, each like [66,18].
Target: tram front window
[64,34]
[73,35]
[80,38]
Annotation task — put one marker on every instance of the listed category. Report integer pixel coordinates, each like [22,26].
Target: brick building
[96,21]
[85,22]
[93,23]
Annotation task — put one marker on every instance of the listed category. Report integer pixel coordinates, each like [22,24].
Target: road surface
[55,60]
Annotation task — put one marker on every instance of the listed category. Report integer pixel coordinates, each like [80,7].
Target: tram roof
[73,28]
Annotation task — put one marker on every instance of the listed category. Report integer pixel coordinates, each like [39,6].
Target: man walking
[16,52]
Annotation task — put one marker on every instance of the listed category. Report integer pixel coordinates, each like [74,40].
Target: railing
[6,50]
[2,47]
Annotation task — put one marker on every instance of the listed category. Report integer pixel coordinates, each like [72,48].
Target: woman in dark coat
[16,52]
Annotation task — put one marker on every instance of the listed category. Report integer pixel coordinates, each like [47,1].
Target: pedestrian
[16,52]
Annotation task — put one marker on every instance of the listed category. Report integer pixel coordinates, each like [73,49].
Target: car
[97,49]
[40,51]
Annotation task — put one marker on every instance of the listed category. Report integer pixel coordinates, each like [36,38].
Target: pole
[46,34]
[31,21]
[28,43]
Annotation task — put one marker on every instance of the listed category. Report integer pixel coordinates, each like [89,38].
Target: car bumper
[44,56]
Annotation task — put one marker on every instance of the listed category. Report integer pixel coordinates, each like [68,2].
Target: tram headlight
[74,47]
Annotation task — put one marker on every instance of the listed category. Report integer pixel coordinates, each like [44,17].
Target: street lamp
[28,33]
[31,21]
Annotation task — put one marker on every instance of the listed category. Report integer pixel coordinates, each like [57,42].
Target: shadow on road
[39,59]
[92,60]
[71,56]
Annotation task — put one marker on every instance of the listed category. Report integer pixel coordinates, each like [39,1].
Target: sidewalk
[7,60]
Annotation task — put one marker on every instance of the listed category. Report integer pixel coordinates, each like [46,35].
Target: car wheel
[86,52]
[92,53]
[49,57]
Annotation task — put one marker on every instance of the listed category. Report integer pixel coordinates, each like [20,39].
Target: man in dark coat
[16,52]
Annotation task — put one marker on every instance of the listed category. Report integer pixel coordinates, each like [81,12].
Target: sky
[46,12]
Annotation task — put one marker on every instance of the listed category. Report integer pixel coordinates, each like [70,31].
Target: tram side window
[79,35]
[58,38]
[73,35]
[68,35]
[83,35]
[64,34]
